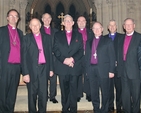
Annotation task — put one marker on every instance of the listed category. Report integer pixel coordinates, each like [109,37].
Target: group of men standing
[83,59]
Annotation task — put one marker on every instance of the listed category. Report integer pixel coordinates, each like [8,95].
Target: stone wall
[118,10]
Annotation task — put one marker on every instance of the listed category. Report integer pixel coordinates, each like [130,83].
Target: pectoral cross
[40,50]
[61,17]
[95,55]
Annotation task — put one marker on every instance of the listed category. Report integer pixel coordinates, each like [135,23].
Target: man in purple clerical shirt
[10,61]
[130,64]
[100,58]
[115,82]
[83,86]
[46,28]
[37,66]
[68,50]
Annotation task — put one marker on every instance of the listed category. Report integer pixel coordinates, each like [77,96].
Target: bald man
[37,66]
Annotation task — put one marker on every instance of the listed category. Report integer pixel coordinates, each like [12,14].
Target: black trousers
[9,82]
[130,94]
[115,83]
[37,90]
[96,84]
[53,86]
[80,86]
[68,85]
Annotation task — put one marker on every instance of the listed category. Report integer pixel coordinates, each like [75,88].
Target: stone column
[22,4]
[98,4]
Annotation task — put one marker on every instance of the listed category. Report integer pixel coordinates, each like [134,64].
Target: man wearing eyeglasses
[68,50]
[10,61]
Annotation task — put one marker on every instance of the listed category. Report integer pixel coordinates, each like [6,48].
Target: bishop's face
[46,19]
[112,27]
[68,23]
[35,26]
[12,18]
[129,26]
[81,22]
[97,29]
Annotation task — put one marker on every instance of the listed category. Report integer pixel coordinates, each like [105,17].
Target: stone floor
[21,103]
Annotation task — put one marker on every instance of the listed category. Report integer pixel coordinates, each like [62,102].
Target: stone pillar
[19,5]
[23,4]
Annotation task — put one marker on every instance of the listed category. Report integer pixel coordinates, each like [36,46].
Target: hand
[26,78]
[111,75]
[68,61]
[71,65]
[51,73]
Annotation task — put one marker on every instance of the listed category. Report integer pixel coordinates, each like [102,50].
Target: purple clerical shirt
[14,55]
[126,45]
[41,58]
[47,30]
[84,36]
[69,35]
[94,59]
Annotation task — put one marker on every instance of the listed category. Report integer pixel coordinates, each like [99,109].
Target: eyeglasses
[13,16]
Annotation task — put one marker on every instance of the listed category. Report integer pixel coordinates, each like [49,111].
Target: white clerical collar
[13,28]
[97,37]
[130,34]
[47,26]
[37,34]
[112,33]
[82,29]
[68,31]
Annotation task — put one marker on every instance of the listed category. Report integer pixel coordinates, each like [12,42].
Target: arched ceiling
[81,5]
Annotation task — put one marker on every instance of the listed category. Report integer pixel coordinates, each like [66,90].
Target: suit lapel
[73,37]
[132,42]
[100,43]
[33,40]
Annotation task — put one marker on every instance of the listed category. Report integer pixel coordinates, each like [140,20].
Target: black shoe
[78,99]
[119,111]
[88,98]
[111,109]
[54,100]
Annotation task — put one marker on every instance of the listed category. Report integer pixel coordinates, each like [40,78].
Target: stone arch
[47,9]
[72,11]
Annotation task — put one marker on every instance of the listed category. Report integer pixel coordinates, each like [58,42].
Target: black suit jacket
[30,55]
[105,55]
[62,50]
[117,45]
[131,64]
[53,31]
[89,34]
[5,47]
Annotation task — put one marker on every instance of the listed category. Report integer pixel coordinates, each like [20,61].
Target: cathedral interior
[35,8]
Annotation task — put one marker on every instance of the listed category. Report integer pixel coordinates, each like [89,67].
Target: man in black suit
[36,66]
[46,28]
[116,81]
[100,61]
[130,76]
[10,61]
[68,50]
[83,80]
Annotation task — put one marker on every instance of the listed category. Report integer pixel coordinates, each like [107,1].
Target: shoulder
[3,28]
[54,29]
[107,35]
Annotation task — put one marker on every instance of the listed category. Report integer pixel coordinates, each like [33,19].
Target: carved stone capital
[12,3]
[23,4]
[109,2]
[98,3]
